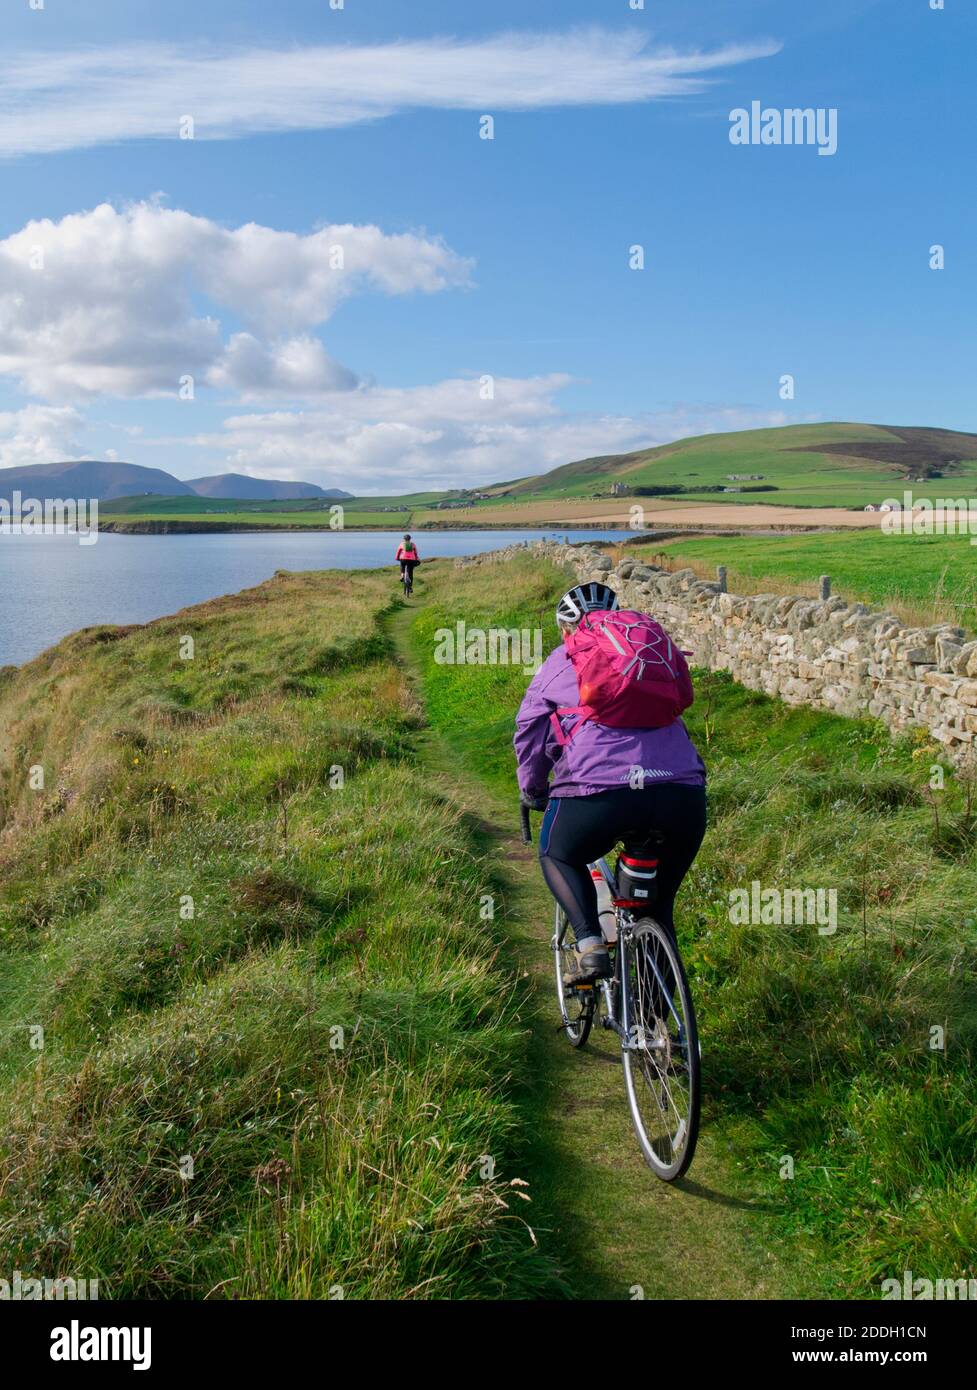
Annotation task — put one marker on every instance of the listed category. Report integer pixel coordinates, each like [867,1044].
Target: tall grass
[276,1039]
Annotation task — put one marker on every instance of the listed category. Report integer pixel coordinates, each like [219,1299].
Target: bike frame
[612,989]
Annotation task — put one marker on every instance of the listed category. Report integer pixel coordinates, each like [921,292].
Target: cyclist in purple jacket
[608,785]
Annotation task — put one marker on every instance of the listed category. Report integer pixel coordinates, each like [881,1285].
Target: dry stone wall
[834,655]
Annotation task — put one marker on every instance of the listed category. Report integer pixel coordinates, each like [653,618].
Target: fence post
[824,584]
[721,576]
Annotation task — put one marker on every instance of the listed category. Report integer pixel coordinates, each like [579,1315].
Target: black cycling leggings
[576,830]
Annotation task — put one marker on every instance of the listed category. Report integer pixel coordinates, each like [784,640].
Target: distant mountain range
[261,489]
[108,480]
[827,464]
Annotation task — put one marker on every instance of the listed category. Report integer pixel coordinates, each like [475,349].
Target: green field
[930,578]
[202,506]
[238,517]
[228,513]
[151,505]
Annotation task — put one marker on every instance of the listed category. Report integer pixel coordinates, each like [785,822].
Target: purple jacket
[597,757]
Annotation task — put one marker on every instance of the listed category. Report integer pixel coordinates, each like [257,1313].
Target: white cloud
[444,435]
[125,303]
[39,434]
[84,97]
[296,367]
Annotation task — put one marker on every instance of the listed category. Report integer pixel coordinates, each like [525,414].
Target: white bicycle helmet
[584,598]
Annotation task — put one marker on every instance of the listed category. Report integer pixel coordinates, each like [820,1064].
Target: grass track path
[596,1207]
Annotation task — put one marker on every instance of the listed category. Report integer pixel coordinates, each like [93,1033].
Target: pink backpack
[630,673]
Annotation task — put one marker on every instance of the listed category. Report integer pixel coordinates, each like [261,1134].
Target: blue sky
[505,258]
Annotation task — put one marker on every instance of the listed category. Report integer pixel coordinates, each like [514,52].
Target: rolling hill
[832,464]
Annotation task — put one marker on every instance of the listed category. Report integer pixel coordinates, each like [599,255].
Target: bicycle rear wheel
[661,1053]
[577,1003]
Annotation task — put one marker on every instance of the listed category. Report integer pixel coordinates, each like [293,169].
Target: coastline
[162,527]
[167,527]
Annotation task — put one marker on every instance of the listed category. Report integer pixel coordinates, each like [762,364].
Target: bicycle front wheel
[577,1002]
[661,1051]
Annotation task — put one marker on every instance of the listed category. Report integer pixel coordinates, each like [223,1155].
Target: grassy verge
[926,579]
[820,1065]
[253,1040]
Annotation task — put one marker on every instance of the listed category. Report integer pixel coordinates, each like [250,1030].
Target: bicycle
[647,1002]
[407,579]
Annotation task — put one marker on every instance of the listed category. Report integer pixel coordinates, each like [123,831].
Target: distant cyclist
[641,785]
[407,557]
